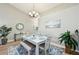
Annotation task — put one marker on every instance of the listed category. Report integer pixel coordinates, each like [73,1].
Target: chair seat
[29,44]
[42,45]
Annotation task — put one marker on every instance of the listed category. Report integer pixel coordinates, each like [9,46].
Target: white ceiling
[41,7]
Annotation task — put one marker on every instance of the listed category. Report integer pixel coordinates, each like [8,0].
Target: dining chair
[45,46]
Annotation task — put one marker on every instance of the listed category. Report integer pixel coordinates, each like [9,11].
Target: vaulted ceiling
[42,7]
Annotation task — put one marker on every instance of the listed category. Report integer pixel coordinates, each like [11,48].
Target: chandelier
[33,13]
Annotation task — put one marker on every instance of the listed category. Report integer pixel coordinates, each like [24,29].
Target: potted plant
[70,43]
[4,31]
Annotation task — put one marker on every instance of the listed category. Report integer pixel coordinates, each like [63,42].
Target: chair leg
[28,52]
[45,49]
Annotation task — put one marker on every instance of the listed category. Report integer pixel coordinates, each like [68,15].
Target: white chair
[55,45]
[13,49]
[28,46]
[45,46]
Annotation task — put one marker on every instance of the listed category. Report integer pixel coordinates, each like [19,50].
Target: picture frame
[19,26]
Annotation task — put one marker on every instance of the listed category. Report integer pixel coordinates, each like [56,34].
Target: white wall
[69,21]
[10,16]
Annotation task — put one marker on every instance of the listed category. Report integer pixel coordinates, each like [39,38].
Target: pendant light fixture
[33,13]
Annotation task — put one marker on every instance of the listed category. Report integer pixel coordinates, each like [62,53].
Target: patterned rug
[20,50]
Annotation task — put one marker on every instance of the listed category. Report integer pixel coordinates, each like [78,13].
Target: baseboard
[10,41]
[58,45]
[76,51]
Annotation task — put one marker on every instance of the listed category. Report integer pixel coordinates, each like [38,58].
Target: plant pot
[68,50]
[4,40]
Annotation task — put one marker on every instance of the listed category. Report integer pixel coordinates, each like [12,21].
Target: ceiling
[41,7]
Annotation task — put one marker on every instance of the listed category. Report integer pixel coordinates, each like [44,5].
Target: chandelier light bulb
[37,14]
[30,13]
[34,12]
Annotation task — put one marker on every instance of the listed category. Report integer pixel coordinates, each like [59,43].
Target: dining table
[37,40]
